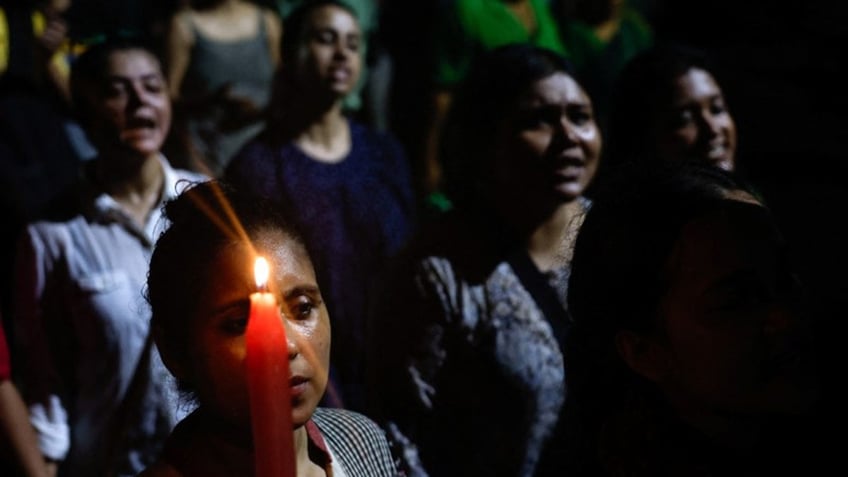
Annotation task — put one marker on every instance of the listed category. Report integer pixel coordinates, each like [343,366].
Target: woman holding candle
[200,288]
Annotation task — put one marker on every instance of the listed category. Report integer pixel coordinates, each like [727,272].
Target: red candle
[267,364]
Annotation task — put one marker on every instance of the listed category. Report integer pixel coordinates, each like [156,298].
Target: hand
[54,34]
[238,111]
[51,467]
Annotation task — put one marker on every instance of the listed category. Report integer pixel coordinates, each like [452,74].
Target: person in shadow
[689,352]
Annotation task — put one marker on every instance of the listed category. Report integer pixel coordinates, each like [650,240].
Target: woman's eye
[745,298]
[234,326]
[682,118]
[326,37]
[114,89]
[739,301]
[580,116]
[717,108]
[302,308]
[154,86]
[532,122]
[538,118]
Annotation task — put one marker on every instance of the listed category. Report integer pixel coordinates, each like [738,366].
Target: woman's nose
[779,318]
[710,125]
[568,132]
[340,51]
[292,345]
[136,96]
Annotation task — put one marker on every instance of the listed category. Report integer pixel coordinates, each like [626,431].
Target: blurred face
[216,355]
[698,125]
[57,6]
[130,110]
[731,340]
[330,55]
[550,143]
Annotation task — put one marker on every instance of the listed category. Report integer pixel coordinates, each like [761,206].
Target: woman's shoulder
[261,152]
[357,441]
[342,421]
[365,135]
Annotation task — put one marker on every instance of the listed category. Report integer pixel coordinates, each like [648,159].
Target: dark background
[783,67]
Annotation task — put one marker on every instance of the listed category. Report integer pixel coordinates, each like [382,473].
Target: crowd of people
[530,247]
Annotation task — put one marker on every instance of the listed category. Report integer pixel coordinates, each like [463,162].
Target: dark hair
[644,87]
[618,278]
[496,80]
[629,231]
[90,68]
[204,219]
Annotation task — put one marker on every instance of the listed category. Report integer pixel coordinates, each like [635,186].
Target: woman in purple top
[350,186]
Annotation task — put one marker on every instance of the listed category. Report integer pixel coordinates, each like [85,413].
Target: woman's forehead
[738,236]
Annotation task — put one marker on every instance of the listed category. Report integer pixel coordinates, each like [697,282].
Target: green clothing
[599,62]
[584,46]
[472,26]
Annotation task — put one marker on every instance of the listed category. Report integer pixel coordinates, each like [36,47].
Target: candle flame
[260,272]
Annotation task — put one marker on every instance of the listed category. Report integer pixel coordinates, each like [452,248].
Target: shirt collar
[105,208]
[316,443]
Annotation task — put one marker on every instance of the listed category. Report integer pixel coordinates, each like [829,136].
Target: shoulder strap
[544,296]
[261,31]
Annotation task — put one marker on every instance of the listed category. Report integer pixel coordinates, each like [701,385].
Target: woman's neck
[305,466]
[727,429]
[136,185]
[327,137]
[223,6]
[551,241]
[732,432]
[232,446]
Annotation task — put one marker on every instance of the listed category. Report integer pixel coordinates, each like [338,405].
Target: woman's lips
[298,385]
[570,169]
[340,74]
[782,363]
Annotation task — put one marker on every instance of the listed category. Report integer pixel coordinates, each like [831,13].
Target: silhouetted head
[683,297]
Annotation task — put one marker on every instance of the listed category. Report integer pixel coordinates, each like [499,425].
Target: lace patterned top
[470,376]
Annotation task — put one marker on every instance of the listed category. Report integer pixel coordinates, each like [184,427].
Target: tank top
[247,65]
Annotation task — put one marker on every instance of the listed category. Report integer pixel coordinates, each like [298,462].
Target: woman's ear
[643,354]
[171,357]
